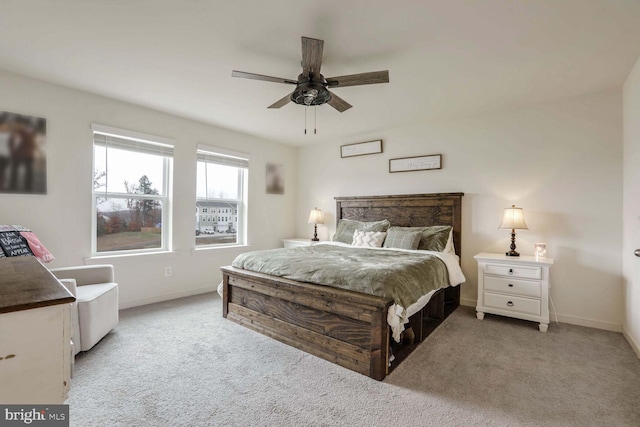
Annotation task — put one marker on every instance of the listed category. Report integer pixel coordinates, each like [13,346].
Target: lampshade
[316,217]
[513,219]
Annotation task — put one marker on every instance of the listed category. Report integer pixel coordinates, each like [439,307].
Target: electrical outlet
[168,272]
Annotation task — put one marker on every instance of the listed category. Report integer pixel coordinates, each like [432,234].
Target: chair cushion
[90,292]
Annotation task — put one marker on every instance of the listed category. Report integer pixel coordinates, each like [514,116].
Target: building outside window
[220,187]
[131,191]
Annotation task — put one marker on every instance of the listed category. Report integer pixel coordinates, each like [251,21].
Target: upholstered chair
[96,306]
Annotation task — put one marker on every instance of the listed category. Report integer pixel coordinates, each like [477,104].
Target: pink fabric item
[36,247]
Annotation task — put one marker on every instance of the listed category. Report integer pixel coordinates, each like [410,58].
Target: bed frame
[344,327]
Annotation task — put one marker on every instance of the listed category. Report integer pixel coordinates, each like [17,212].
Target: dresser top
[25,284]
[522,259]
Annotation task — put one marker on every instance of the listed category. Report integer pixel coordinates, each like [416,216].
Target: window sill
[205,249]
[102,258]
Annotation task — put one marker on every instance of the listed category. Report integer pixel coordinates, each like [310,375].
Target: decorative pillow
[346,228]
[13,244]
[368,239]
[38,249]
[433,238]
[16,240]
[402,239]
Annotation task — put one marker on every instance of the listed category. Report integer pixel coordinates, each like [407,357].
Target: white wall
[62,218]
[561,162]
[631,207]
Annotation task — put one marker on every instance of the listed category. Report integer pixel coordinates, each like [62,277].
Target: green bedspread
[403,276]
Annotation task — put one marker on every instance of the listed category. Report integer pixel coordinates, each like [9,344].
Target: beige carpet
[179,363]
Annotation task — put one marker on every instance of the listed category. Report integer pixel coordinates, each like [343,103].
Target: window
[131,197]
[220,187]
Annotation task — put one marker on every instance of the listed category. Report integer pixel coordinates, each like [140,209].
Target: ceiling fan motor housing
[311,90]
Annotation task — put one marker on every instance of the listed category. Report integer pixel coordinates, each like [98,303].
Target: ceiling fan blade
[281,102]
[311,56]
[359,79]
[338,103]
[253,76]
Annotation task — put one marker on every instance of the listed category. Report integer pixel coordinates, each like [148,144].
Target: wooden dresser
[35,331]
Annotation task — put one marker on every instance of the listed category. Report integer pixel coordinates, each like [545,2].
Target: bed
[342,326]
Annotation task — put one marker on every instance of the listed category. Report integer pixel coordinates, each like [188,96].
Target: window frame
[165,198]
[242,191]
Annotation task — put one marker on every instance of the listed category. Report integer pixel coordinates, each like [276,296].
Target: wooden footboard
[346,328]
[343,327]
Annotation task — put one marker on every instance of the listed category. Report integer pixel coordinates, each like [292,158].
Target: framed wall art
[275,178]
[361,148]
[23,162]
[417,163]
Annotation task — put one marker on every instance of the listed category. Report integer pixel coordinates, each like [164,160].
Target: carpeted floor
[179,363]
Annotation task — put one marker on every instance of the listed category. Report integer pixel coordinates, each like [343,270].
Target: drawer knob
[511,271]
[511,285]
[510,303]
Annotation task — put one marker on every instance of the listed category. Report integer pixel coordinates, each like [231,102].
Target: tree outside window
[131,181]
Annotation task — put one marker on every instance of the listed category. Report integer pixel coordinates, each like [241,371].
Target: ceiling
[445,58]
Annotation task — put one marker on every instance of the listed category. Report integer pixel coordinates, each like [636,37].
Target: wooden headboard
[406,210]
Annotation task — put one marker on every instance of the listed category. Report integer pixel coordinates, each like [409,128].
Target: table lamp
[315,218]
[513,219]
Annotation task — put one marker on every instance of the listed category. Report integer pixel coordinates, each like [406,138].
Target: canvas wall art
[275,178]
[23,162]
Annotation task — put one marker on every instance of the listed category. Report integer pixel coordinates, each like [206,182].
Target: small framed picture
[275,178]
[418,163]
[361,148]
[540,250]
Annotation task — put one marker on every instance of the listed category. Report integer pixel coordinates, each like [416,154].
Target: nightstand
[514,286]
[297,241]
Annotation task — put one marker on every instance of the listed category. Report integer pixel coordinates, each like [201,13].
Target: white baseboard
[468,302]
[634,345]
[573,320]
[167,297]
[589,323]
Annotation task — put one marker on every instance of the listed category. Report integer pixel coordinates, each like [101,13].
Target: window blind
[135,145]
[220,159]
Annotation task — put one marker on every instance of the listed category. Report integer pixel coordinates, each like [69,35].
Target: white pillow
[449,248]
[369,239]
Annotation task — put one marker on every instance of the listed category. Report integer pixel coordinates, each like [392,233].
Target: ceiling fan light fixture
[310,94]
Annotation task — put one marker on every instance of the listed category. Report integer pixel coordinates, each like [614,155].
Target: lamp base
[512,252]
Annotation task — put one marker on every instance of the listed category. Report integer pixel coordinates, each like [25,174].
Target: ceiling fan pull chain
[315,110]
[305,119]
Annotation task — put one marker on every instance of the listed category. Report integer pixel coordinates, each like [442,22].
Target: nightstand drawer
[528,288]
[526,272]
[511,303]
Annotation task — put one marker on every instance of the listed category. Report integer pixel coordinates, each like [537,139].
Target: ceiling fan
[311,86]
